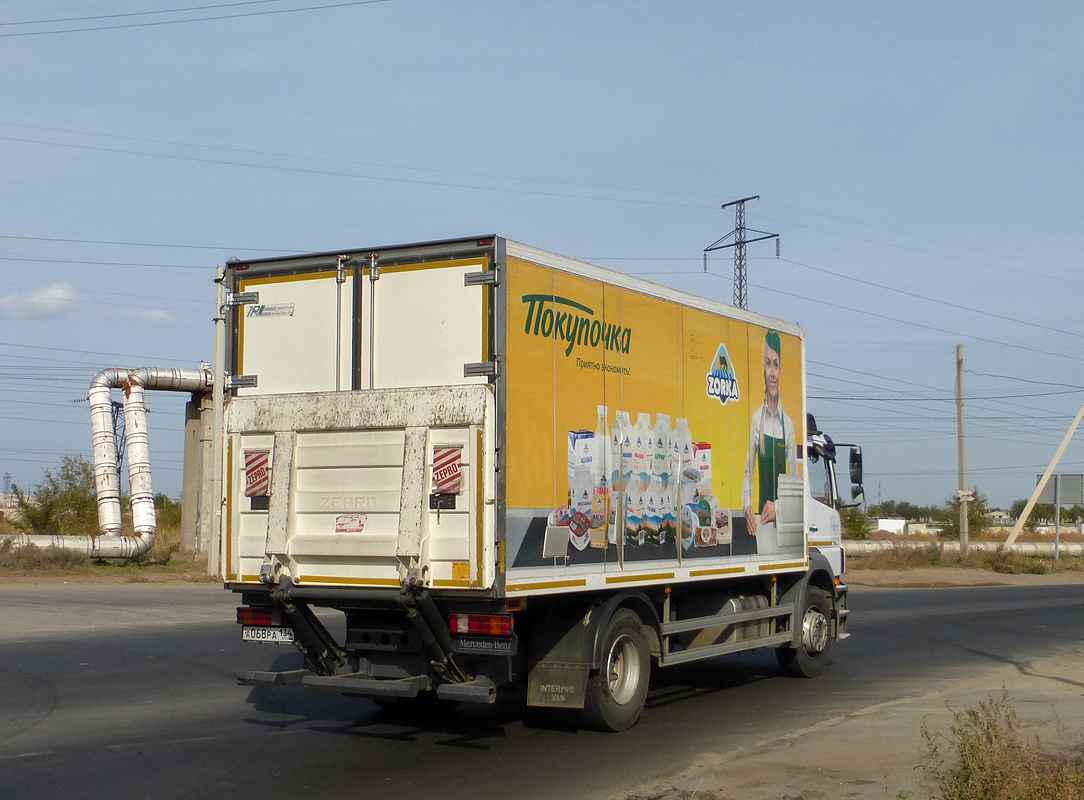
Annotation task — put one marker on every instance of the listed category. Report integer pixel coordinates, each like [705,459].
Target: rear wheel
[808,659]
[616,693]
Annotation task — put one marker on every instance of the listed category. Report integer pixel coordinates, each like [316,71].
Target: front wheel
[616,693]
[808,659]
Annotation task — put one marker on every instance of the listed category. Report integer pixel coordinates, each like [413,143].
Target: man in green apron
[772,450]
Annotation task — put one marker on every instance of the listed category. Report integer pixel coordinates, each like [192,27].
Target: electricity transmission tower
[741,298]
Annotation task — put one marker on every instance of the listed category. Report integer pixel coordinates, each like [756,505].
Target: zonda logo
[722,383]
[546,318]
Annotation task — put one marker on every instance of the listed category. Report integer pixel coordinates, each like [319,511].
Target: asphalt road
[127,691]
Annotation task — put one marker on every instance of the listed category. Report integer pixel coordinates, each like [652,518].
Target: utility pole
[961,442]
[741,298]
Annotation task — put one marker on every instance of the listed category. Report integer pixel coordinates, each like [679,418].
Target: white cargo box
[446,413]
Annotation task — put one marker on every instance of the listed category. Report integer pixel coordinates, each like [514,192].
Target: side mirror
[858,497]
[856,466]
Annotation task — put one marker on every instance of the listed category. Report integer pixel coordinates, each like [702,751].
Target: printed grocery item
[634,512]
[723,528]
[660,446]
[641,446]
[702,451]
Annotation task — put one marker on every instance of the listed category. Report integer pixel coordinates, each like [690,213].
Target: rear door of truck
[363,454]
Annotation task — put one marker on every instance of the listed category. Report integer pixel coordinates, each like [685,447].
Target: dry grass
[31,559]
[985,755]
[164,561]
[1001,560]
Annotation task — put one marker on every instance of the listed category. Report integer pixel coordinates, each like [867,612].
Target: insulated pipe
[138,449]
[109,544]
[106,470]
[135,433]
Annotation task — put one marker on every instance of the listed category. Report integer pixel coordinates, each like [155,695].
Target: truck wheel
[616,693]
[807,660]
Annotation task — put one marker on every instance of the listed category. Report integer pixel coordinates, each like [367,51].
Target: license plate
[259,633]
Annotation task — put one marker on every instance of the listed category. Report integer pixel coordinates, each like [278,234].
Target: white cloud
[53,300]
[150,316]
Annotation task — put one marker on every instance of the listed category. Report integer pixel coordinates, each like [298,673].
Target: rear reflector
[247,615]
[483,624]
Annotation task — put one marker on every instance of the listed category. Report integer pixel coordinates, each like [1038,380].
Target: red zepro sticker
[257,473]
[350,523]
[447,470]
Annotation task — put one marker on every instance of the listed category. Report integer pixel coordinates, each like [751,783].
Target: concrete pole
[961,443]
[1042,481]
[1057,514]
[214,553]
[190,481]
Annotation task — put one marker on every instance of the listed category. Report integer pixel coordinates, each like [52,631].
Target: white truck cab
[826,499]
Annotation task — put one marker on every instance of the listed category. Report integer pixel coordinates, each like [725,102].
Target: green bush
[856,523]
[64,503]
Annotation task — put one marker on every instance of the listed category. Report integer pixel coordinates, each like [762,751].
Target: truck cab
[827,499]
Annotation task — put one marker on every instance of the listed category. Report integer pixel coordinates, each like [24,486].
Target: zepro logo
[554,317]
[722,382]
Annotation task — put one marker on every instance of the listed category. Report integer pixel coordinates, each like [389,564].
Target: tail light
[251,615]
[483,624]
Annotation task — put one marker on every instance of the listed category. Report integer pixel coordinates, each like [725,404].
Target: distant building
[894,526]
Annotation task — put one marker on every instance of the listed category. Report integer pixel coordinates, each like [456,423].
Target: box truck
[509,468]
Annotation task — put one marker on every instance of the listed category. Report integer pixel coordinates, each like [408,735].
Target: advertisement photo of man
[772,451]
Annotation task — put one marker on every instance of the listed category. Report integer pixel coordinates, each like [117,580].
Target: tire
[616,693]
[809,658]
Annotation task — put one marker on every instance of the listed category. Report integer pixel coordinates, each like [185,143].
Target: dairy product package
[634,511]
[660,446]
[616,439]
[690,521]
[702,451]
[560,517]
[626,449]
[674,467]
[706,510]
[705,536]
[579,530]
[690,486]
[641,447]
[723,528]
[651,524]
[601,451]
[580,452]
[582,490]
[668,531]
[616,523]
[600,518]
[684,445]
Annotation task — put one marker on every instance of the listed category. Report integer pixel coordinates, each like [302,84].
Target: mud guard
[566,645]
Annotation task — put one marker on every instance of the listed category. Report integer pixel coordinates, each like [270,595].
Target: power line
[916,324]
[140,13]
[137,244]
[203,268]
[329,173]
[191,20]
[933,299]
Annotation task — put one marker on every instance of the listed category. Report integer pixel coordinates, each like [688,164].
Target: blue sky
[921,162]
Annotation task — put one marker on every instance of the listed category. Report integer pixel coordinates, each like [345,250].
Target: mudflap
[559,660]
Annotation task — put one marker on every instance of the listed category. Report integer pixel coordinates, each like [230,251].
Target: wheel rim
[622,669]
[814,631]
